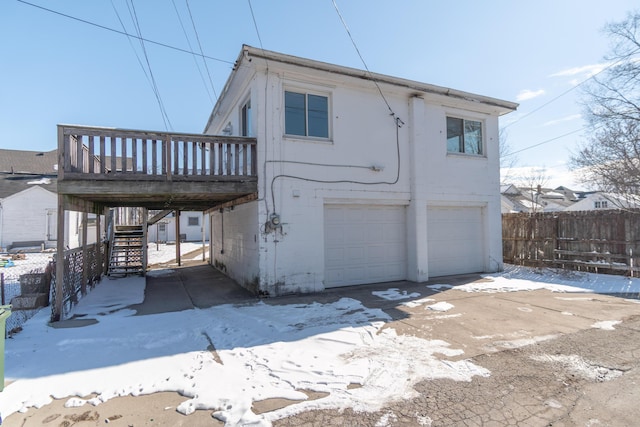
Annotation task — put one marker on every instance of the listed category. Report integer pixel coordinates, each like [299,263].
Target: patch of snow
[417,303]
[523,342]
[607,325]
[440,306]
[386,418]
[394,294]
[447,316]
[40,181]
[566,313]
[161,253]
[266,352]
[439,286]
[517,278]
[579,366]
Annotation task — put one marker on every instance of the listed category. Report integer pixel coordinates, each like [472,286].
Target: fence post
[2,287]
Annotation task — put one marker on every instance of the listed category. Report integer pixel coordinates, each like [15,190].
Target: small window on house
[464,136]
[306,114]
[162,226]
[245,120]
[601,204]
[193,220]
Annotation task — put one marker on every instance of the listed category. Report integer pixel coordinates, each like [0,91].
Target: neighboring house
[596,200]
[191,228]
[522,199]
[28,201]
[362,177]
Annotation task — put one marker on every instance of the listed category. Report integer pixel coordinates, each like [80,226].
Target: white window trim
[308,90]
[471,116]
[251,130]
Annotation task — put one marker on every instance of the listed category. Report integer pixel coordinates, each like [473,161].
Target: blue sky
[57,70]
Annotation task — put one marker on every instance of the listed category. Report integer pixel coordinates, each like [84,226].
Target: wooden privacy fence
[605,241]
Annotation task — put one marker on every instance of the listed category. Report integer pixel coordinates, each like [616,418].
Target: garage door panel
[455,240]
[371,247]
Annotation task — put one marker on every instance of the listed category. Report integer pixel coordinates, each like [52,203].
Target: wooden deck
[106,167]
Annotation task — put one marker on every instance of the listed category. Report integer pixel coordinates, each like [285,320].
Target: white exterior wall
[24,216]
[193,232]
[362,135]
[235,244]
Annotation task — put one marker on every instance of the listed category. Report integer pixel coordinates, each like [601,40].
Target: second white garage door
[455,240]
[364,244]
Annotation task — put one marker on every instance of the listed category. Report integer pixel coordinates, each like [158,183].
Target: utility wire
[149,78]
[84,21]
[397,120]
[544,142]
[163,110]
[184,31]
[570,89]
[255,24]
[200,46]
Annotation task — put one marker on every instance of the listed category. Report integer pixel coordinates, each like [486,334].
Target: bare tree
[508,160]
[533,181]
[609,159]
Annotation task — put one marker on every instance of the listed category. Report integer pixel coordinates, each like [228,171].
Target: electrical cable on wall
[398,123]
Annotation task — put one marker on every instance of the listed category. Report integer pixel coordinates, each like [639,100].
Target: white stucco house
[29,202]
[598,200]
[362,177]
[194,226]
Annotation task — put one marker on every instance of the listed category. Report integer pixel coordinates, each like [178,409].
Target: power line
[184,31]
[255,24]
[200,46]
[544,142]
[149,78]
[398,121]
[163,110]
[84,21]
[570,90]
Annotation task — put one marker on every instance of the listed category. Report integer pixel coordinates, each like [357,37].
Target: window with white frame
[601,204]
[464,136]
[193,221]
[306,114]
[245,119]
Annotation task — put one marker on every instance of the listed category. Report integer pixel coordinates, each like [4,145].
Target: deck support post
[178,238]
[58,302]
[85,255]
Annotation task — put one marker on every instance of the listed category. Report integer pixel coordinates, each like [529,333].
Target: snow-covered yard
[262,351]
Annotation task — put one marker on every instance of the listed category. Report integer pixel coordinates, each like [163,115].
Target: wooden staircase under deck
[128,251]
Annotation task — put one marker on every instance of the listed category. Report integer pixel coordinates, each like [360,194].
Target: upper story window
[464,136]
[245,120]
[306,114]
[601,204]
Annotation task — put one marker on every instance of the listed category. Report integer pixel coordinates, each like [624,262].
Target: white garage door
[455,240]
[364,244]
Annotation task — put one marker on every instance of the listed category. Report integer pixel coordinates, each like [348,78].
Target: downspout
[1,224]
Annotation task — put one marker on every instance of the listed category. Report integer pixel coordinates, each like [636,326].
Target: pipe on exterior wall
[1,225]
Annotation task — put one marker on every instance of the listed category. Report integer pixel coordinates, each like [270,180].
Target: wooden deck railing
[107,153]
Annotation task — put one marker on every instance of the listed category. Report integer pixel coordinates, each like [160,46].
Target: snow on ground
[263,351]
[160,253]
[266,352]
[516,278]
[395,294]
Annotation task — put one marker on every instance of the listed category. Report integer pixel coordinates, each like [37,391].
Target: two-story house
[362,177]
